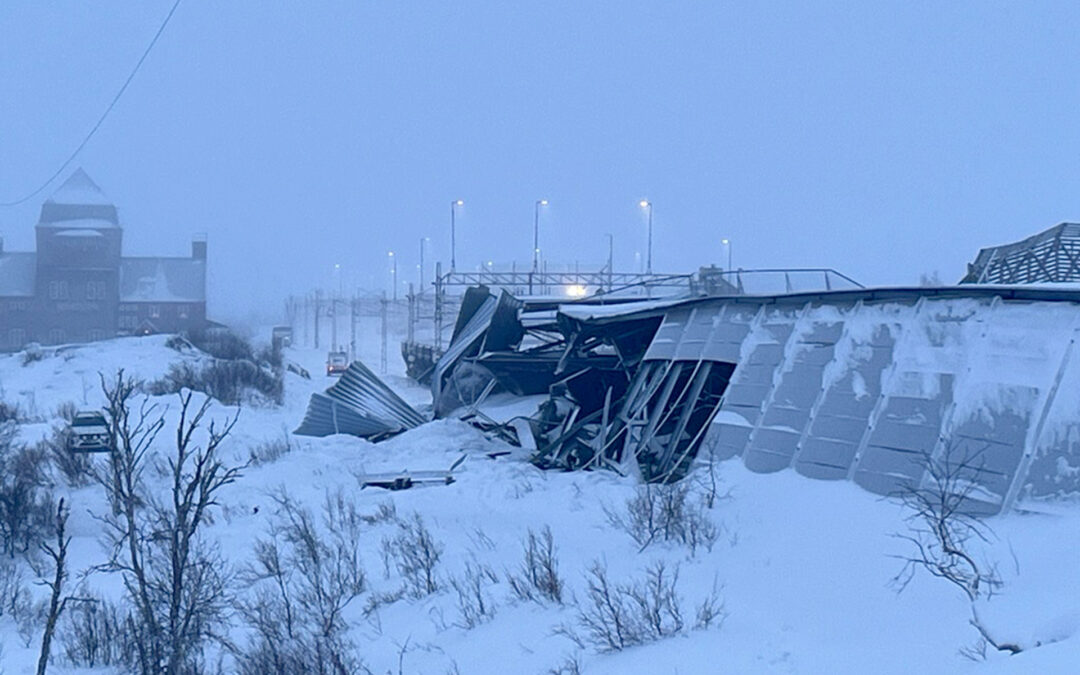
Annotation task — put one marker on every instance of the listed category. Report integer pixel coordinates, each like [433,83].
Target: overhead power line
[101,120]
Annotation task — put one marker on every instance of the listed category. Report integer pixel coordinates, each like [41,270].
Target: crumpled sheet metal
[359,404]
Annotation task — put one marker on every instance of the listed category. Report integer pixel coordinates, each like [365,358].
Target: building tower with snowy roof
[77,286]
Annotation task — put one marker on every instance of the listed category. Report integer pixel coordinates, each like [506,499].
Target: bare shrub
[25,503]
[710,610]
[221,344]
[32,354]
[14,595]
[176,580]
[615,616]
[415,554]
[9,412]
[606,615]
[474,604]
[665,512]
[96,632]
[66,411]
[943,530]
[570,665]
[76,468]
[227,381]
[271,450]
[385,512]
[304,576]
[538,576]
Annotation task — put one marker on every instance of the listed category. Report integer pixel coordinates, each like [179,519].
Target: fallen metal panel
[465,341]
[359,404]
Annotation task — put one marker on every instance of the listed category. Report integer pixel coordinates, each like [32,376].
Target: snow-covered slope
[803,567]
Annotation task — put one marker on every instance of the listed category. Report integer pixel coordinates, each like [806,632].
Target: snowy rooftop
[79,200]
[162,280]
[79,188]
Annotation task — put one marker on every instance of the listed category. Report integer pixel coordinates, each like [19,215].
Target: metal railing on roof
[775,281]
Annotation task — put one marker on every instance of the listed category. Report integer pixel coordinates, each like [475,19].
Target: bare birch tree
[174,578]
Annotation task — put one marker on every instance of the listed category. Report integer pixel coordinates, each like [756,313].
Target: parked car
[337,363]
[89,432]
[281,336]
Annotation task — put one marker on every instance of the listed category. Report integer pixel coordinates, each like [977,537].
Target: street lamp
[646,204]
[453,234]
[727,242]
[536,233]
[393,273]
[423,240]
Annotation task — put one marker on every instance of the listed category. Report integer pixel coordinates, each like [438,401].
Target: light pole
[453,233]
[393,274]
[727,242]
[536,233]
[610,259]
[647,205]
[423,240]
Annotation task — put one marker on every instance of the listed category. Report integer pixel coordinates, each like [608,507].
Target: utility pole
[352,328]
[536,233]
[412,315]
[647,205]
[610,261]
[438,305]
[382,354]
[333,323]
[453,233]
[422,240]
[318,304]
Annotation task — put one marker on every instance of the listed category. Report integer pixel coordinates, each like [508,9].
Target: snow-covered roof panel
[79,188]
[78,232]
[78,199]
[17,272]
[587,312]
[162,280]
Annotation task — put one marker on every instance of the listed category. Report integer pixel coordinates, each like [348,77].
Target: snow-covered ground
[804,567]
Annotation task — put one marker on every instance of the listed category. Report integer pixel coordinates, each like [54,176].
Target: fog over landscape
[882,139]
[759,355]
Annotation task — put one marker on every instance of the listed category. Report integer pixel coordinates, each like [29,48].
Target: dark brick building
[77,286]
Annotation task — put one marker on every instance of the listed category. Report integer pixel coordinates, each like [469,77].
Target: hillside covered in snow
[507,569]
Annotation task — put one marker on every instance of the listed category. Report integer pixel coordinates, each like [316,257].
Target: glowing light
[543,202]
[576,291]
[390,253]
[459,203]
[725,242]
[644,204]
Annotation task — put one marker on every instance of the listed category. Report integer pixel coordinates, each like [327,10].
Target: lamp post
[536,233]
[727,242]
[453,233]
[647,205]
[610,259]
[393,274]
[423,240]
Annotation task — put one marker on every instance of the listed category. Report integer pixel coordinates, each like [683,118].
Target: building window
[58,290]
[129,321]
[154,312]
[16,338]
[56,336]
[97,334]
[95,290]
[182,311]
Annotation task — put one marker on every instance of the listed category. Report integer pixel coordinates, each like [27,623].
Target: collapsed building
[867,385]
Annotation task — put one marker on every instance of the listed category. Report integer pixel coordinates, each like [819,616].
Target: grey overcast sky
[884,139]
